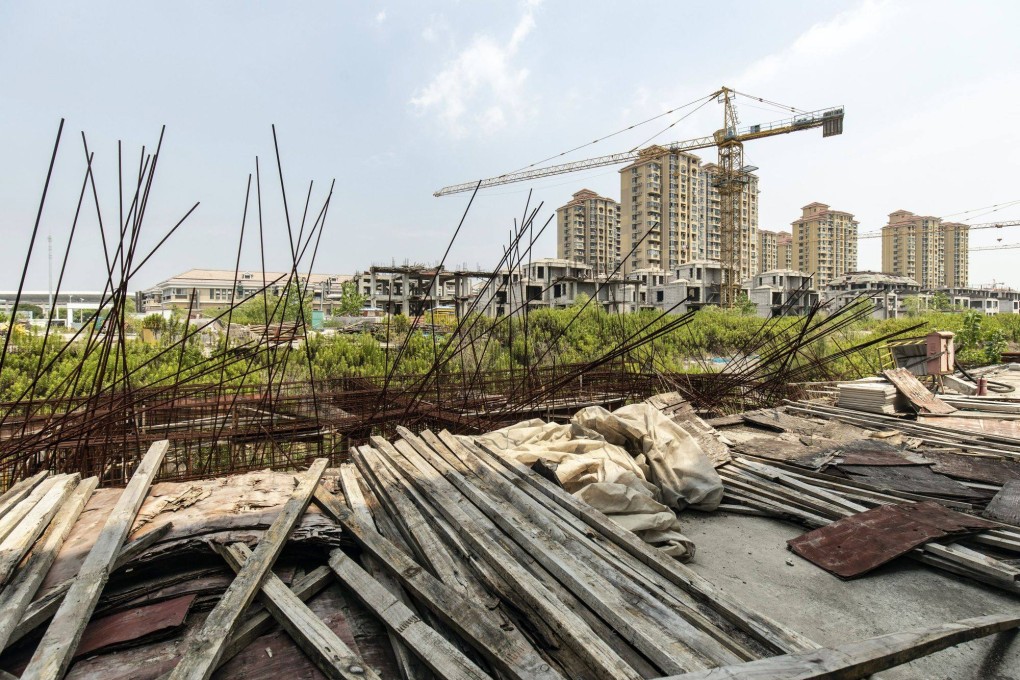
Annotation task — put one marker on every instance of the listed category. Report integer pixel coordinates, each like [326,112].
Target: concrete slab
[747,558]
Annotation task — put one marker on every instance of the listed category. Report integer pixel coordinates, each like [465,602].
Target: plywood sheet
[138,625]
[918,395]
[1005,506]
[857,544]
[915,479]
[973,468]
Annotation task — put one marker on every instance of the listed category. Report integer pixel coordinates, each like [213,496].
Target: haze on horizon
[397,99]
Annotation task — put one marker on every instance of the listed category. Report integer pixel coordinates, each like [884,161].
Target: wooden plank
[918,480]
[205,647]
[20,491]
[531,594]
[618,568]
[1005,506]
[974,560]
[13,517]
[20,540]
[857,544]
[504,651]
[973,468]
[356,501]
[317,640]
[53,655]
[861,659]
[44,608]
[563,654]
[642,619]
[261,623]
[15,598]
[442,658]
[763,629]
[918,395]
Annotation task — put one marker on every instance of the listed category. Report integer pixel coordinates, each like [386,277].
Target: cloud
[823,40]
[380,17]
[436,27]
[481,88]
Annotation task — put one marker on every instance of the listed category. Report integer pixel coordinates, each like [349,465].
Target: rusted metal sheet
[973,468]
[857,544]
[138,625]
[1005,507]
[918,395]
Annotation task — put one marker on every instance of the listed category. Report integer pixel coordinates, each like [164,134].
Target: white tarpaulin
[635,465]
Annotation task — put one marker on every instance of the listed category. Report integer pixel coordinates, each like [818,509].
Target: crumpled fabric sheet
[635,465]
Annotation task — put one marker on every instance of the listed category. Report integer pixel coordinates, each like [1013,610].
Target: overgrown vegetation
[551,337]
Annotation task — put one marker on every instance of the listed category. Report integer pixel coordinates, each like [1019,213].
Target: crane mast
[730,179]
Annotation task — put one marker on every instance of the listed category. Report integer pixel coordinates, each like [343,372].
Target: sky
[394,100]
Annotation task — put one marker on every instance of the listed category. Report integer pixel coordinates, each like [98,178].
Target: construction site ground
[747,558]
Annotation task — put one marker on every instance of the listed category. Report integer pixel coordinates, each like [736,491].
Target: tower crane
[731,175]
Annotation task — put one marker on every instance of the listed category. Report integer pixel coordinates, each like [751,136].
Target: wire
[681,118]
[707,98]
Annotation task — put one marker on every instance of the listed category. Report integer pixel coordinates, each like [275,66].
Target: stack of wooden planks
[815,499]
[471,566]
[870,397]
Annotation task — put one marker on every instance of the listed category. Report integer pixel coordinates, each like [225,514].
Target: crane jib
[829,119]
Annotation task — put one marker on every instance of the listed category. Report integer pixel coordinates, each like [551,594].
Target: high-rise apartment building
[825,242]
[784,250]
[768,250]
[671,198]
[957,237]
[588,231]
[932,252]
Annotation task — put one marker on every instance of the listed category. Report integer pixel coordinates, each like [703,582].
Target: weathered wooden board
[918,395]
[318,641]
[873,452]
[973,468]
[53,654]
[857,544]
[16,597]
[864,658]
[1005,506]
[205,648]
[915,479]
[136,625]
[788,450]
[236,508]
[991,429]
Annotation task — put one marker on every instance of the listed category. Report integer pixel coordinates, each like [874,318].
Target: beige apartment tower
[784,250]
[588,231]
[957,237]
[825,242]
[932,252]
[670,197]
[768,250]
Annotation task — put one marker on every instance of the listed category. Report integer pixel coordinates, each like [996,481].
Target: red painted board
[141,624]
